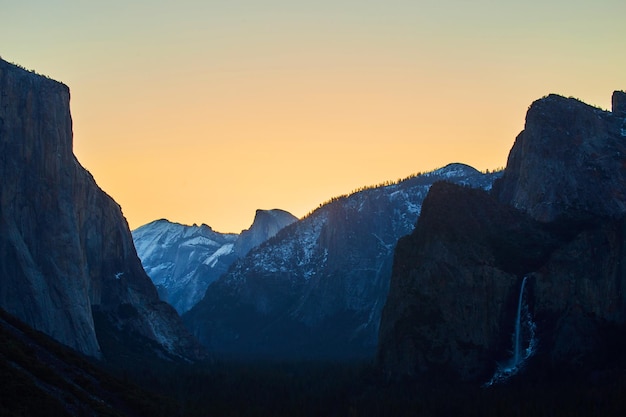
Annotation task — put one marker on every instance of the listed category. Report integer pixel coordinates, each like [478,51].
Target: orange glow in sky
[204,111]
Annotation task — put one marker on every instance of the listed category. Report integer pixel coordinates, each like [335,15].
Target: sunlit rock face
[65,247]
[556,217]
[317,288]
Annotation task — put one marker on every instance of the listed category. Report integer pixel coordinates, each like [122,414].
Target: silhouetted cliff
[555,216]
[65,247]
[568,161]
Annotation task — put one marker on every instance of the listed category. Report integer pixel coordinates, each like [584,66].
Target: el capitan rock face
[65,248]
[556,217]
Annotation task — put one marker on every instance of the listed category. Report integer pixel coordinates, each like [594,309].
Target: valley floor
[39,377]
[355,389]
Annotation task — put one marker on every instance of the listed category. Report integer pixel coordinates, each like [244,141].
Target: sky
[204,111]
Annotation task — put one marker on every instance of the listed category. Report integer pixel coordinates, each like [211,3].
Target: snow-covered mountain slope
[183,260]
[316,290]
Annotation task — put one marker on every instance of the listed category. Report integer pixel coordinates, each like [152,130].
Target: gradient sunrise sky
[203,111]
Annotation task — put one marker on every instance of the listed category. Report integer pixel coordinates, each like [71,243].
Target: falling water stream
[524,341]
[518,325]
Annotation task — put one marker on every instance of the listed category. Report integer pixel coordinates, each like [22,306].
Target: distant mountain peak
[183,261]
[265,225]
[454,169]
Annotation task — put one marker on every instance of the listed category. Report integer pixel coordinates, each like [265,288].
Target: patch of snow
[200,240]
[224,250]
[145,248]
[451,171]
[413,208]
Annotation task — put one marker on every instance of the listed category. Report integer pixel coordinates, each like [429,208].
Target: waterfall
[524,341]
[518,325]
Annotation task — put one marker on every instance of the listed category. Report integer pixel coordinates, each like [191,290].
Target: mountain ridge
[316,288]
[182,261]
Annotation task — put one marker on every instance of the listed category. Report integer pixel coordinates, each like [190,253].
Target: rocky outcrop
[556,217]
[618,103]
[317,288]
[65,247]
[568,161]
[265,225]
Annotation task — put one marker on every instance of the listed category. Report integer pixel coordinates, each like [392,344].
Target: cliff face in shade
[556,216]
[65,247]
[454,284]
[568,161]
[618,103]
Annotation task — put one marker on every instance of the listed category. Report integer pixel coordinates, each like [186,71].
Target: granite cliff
[265,225]
[66,253]
[557,217]
[568,161]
